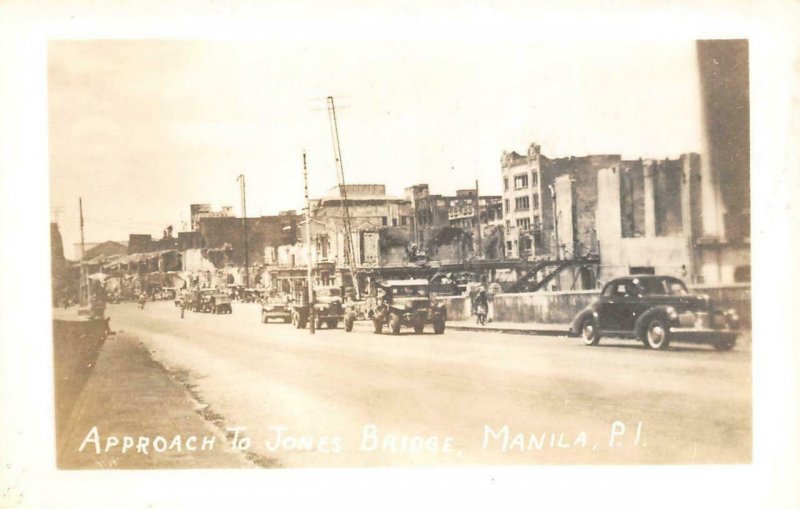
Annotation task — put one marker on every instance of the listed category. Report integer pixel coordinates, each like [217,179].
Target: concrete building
[529,190]
[200,210]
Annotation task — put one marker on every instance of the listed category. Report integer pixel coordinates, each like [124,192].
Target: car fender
[575,328]
[654,312]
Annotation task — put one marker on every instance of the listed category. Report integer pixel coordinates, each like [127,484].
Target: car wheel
[589,332]
[349,320]
[656,335]
[438,324]
[724,345]
[377,325]
[394,323]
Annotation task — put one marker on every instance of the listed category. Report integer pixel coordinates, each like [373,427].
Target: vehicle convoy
[655,310]
[275,307]
[210,300]
[328,307]
[397,303]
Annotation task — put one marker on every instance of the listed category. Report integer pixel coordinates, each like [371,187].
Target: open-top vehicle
[276,307]
[656,310]
[401,302]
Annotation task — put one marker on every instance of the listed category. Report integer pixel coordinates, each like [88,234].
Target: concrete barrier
[561,307]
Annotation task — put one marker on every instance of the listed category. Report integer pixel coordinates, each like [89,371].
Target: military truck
[398,303]
[328,307]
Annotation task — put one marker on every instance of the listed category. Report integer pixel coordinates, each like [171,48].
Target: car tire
[724,345]
[349,320]
[589,331]
[394,323]
[656,335]
[377,325]
[438,324]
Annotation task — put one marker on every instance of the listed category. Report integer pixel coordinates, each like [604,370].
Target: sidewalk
[129,394]
[532,329]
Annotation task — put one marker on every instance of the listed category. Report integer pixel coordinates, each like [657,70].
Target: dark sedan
[655,310]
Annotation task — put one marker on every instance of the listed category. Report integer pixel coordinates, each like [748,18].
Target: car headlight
[671,313]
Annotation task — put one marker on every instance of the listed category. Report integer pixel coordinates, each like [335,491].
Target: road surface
[461,398]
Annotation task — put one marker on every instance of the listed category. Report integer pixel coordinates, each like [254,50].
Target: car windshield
[410,291]
[329,292]
[665,286]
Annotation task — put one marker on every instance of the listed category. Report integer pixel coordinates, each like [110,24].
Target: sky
[142,128]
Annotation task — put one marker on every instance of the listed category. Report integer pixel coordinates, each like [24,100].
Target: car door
[610,307]
[630,307]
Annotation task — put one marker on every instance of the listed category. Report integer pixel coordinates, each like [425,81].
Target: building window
[507,204]
[394,221]
[505,183]
[384,221]
[508,247]
[535,178]
[508,225]
[521,181]
[537,223]
[522,203]
[403,220]
[535,202]
[524,223]
[741,274]
[537,239]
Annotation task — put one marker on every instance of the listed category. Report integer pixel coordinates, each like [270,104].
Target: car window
[620,289]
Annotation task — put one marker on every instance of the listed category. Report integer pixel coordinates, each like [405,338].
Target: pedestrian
[481,306]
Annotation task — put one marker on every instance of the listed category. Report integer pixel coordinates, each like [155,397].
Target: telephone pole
[83,294]
[478,218]
[309,274]
[244,227]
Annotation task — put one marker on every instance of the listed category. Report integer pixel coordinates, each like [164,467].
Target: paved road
[360,399]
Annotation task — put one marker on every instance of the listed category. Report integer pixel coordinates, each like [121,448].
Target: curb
[475,328]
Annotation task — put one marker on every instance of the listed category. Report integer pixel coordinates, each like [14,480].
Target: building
[529,190]
[432,213]
[200,210]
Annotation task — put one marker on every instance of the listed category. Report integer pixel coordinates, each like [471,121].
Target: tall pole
[84,275]
[244,227]
[478,218]
[349,249]
[309,274]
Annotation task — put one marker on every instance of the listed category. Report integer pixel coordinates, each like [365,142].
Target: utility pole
[309,274]
[349,250]
[240,178]
[84,273]
[478,218]
[555,220]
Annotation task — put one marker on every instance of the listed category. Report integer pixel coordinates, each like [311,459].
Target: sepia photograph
[302,254]
[465,256]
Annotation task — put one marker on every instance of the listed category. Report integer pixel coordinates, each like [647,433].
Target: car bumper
[695,335]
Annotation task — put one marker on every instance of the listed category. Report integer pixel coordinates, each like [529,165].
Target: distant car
[655,310]
[275,307]
[404,302]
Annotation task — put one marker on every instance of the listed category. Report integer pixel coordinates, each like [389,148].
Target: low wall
[561,307]
[541,307]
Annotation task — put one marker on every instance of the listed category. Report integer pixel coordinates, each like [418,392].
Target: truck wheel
[394,323]
[332,324]
[419,327]
[438,324]
[589,332]
[349,319]
[377,325]
[656,335]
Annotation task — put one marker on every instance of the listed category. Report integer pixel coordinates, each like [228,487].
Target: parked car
[403,302]
[656,310]
[275,307]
